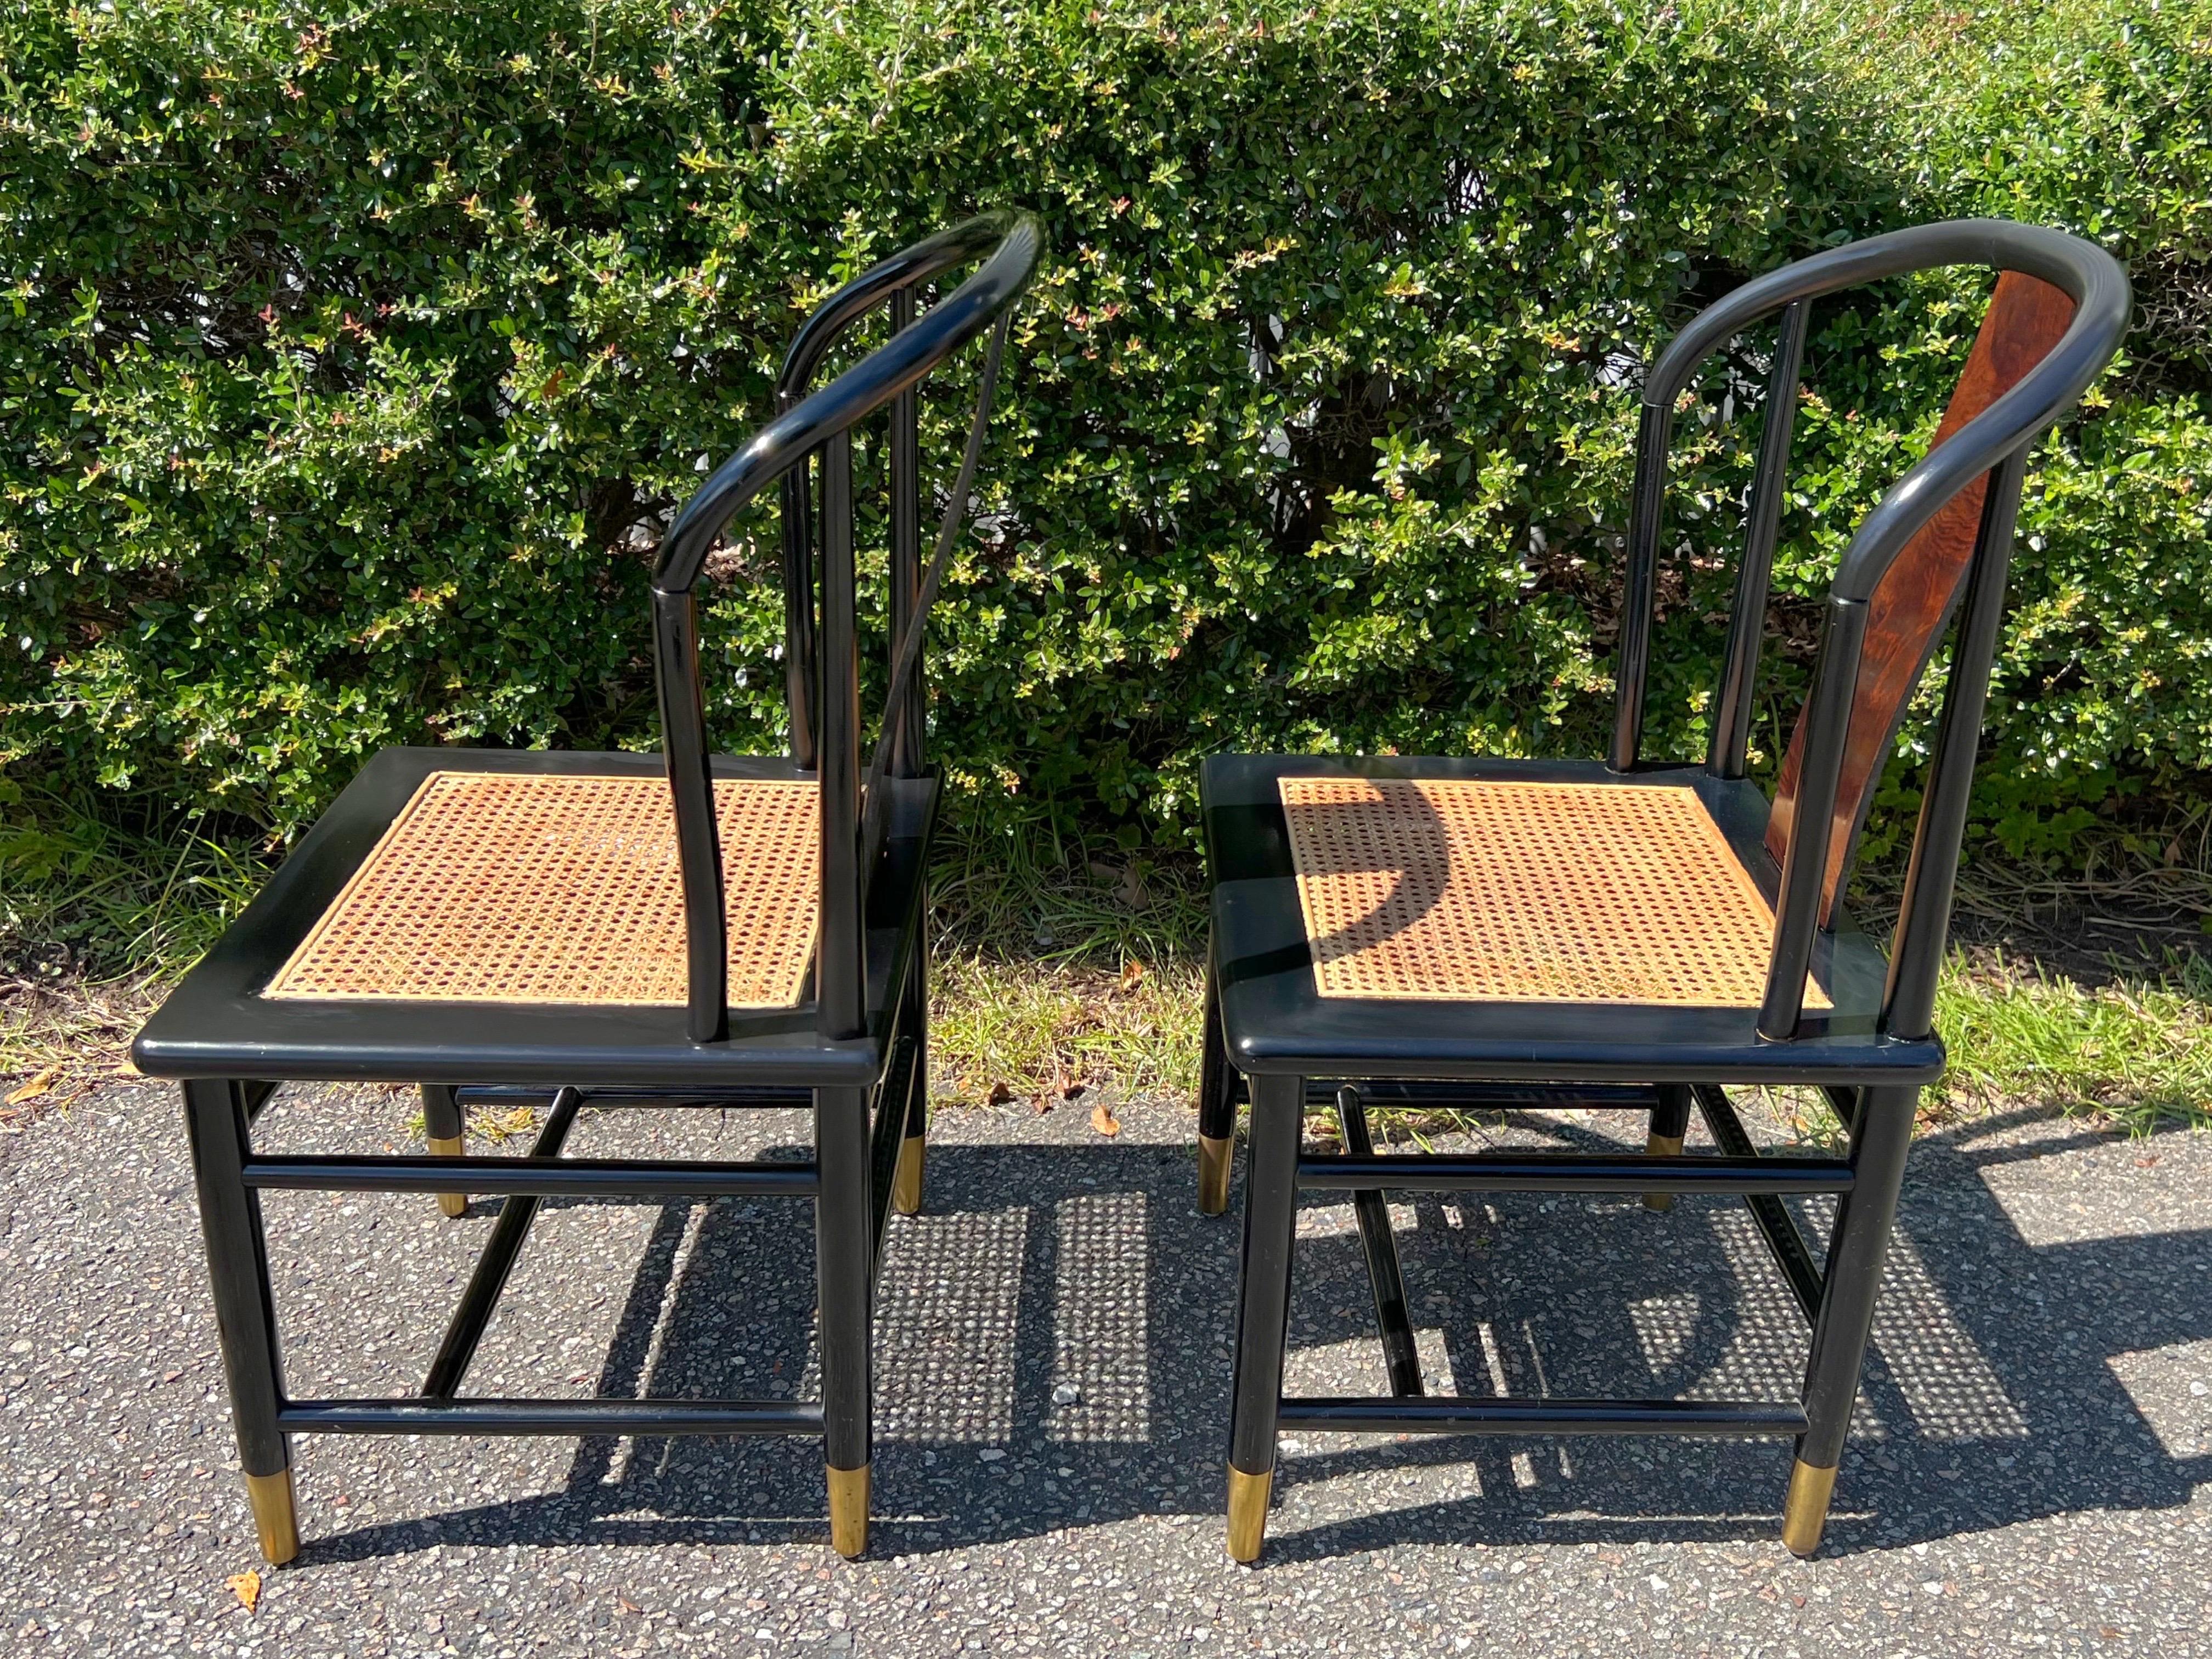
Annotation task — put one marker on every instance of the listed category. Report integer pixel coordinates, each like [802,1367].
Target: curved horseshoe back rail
[894,279]
[821,421]
[1993,444]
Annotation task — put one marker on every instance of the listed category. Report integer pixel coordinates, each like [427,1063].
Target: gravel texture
[2029,1468]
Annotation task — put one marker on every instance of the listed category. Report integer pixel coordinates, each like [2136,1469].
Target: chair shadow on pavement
[1053,1351]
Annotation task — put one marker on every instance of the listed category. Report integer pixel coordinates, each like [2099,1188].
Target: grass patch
[1066,963]
[2135,1050]
[1045,1034]
[99,910]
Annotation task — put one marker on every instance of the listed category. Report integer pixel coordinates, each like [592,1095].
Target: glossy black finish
[496,1260]
[845,1258]
[887,1130]
[244,1315]
[510,1095]
[1733,704]
[1015,244]
[1670,1114]
[1726,1418]
[1857,1246]
[903,725]
[822,421]
[1776,1226]
[2085,272]
[1385,1276]
[904,1113]
[1275,1020]
[580,1177]
[1871,1051]
[582,1416]
[442,1110]
[1797,929]
[1263,1296]
[915,1020]
[841,962]
[855,1051]
[894,280]
[903,688]
[1430,1096]
[2000,434]
[216,1023]
[1217,1078]
[1575,1172]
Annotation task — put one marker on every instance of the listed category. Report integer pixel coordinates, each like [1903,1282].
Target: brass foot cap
[1805,1511]
[453,1204]
[1248,1513]
[1661,1147]
[849,1511]
[1216,1155]
[275,1515]
[906,1179]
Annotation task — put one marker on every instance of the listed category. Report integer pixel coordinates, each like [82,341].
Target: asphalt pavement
[2029,1470]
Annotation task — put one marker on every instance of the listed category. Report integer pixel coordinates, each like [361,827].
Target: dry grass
[1046,1034]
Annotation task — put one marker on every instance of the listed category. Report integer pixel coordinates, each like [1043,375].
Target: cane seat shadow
[1499,889]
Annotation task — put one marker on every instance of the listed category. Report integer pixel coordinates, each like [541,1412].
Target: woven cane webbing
[521,887]
[1478,890]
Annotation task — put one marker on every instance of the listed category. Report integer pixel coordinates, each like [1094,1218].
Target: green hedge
[349,369]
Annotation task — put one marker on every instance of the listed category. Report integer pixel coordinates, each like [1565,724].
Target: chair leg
[1856,1246]
[914,1144]
[1216,1112]
[442,1130]
[1670,1126]
[844,1251]
[1263,1305]
[245,1314]
[1388,1278]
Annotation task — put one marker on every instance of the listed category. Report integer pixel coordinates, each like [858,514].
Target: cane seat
[521,887]
[1500,891]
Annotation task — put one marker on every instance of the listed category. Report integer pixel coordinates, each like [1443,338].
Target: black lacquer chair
[620,930]
[1481,932]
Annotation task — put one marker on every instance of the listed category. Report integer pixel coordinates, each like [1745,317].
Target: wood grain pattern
[1910,608]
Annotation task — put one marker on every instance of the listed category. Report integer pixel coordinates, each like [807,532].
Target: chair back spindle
[840,961]
[902,714]
[1729,753]
[2054,318]
[821,622]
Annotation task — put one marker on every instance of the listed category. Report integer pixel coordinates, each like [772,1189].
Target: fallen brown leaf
[1000,1095]
[1132,972]
[246,1587]
[1104,1121]
[36,1087]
